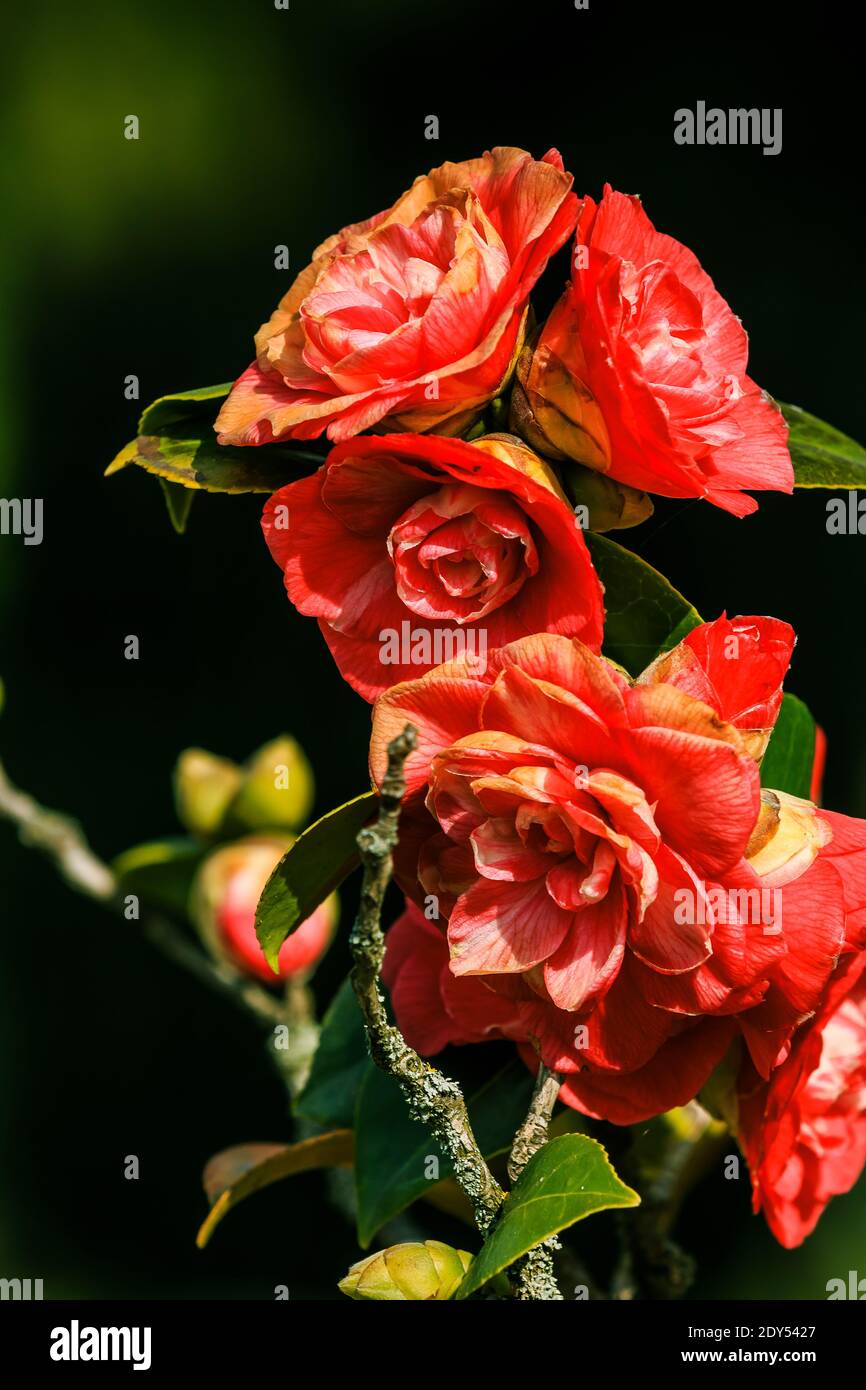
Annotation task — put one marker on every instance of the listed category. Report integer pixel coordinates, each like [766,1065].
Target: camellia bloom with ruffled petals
[804,1131]
[413,319]
[608,865]
[640,371]
[410,550]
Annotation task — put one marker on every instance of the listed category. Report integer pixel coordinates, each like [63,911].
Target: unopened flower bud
[610,505]
[546,411]
[204,788]
[412,1272]
[224,898]
[277,788]
[550,406]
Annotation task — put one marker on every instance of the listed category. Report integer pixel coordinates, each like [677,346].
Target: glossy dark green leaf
[822,456]
[393,1151]
[339,1066]
[567,1180]
[177,442]
[160,872]
[645,614]
[200,402]
[315,865]
[790,756]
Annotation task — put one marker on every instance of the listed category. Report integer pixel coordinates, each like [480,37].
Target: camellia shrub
[602,813]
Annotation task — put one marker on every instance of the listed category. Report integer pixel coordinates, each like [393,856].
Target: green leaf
[315,865]
[822,456]
[788,761]
[178,501]
[392,1149]
[183,405]
[177,443]
[238,1172]
[160,872]
[645,614]
[339,1065]
[568,1179]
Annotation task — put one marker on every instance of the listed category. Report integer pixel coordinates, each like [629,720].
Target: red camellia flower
[640,371]
[804,1132]
[608,865]
[413,317]
[411,550]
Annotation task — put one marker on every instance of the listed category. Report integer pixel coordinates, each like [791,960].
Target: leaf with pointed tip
[177,442]
[309,872]
[238,1172]
[568,1179]
[178,502]
[822,456]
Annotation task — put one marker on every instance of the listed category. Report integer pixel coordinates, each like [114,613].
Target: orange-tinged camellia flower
[412,319]
[804,1131]
[640,371]
[618,891]
[224,900]
[411,549]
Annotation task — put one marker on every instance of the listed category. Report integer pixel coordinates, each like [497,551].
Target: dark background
[155,257]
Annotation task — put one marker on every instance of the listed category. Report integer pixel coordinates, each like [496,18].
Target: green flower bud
[277,788]
[610,505]
[408,1273]
[204,788]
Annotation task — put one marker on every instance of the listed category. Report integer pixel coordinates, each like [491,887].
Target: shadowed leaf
[338,1066]
[160,872]
[393,1151]
[231,1176]
[178,502]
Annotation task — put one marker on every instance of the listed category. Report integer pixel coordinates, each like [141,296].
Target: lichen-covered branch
[432,1098]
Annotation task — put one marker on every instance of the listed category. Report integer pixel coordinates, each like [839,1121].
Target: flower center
[461,552]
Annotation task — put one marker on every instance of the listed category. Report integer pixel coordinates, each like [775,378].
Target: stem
[533,1132]
[62,840]
[298,1012]
[432,1098]
[534,1274]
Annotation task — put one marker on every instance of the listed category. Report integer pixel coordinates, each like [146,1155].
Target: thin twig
[432,1098]
[533,1131]
[534,1274]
